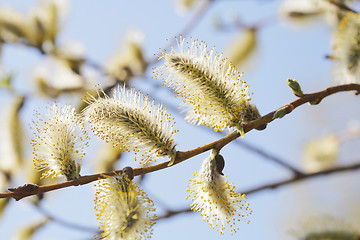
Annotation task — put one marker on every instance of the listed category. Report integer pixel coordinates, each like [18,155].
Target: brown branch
[268,156]
[354,166]
[318,96]
[196,18]
[342,6]
[65,223]
[189,26]
[281,183]
[31,189]
[170,213]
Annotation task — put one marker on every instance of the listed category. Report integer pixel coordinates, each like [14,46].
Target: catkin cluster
[214,95]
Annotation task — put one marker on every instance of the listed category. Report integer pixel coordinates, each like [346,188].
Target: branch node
[24,189]
[76,182]
[298,175]
[290,107]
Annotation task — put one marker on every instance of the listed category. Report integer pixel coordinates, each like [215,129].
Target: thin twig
[64,222]
[30,189]
[170,213]
[275,185]
[188,27]
[342,6]
[196,18]
[354,166]
[268,156]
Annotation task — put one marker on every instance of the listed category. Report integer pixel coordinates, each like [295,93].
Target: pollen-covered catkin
[132,122]
[59,142]
[123,209]
[215,199]
[347,49]
[214,95]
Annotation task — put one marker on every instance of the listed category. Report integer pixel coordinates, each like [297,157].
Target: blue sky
[284,51]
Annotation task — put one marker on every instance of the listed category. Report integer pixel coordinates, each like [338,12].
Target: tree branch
[189,26]
[65,223]
[342,6]
[170,213]
[268,156]
[354,166]
[276,185]
[30,189]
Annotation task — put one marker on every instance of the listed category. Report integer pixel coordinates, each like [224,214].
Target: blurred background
[59,50]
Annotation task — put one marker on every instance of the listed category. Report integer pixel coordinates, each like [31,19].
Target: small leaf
[280,113]
[295,86]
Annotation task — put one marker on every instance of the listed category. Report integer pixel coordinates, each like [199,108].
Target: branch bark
[30,189]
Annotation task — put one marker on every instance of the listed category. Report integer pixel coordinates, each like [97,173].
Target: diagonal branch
[342,6]
[189,25]
[65,223]
[339,169]
[31,189]
[281,183]
[268,156]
